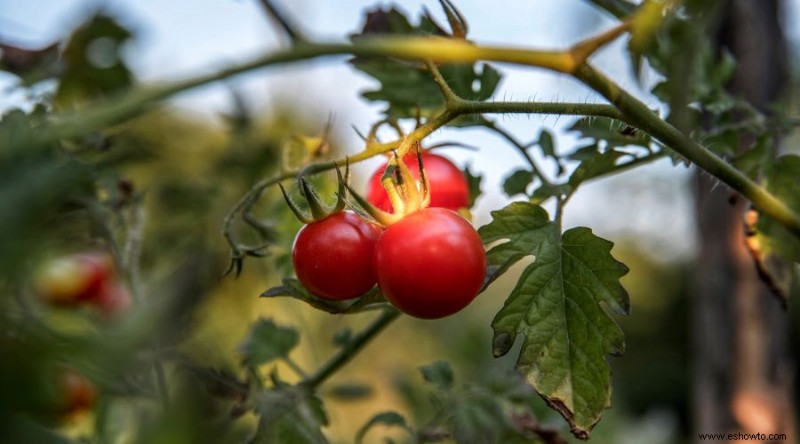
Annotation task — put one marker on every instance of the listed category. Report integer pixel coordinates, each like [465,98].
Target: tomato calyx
[406,194]
[318,210]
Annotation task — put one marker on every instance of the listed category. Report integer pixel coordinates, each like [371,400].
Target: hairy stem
[436,49]
[555,108]
[351,349]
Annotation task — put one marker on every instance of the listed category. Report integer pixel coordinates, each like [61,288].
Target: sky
[180,38]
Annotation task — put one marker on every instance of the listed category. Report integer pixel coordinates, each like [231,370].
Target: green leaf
[545,192]
[289,414]
[473,184]
[585,152]
[93,61]
[774,249]
[546,143]
[438,373]
[517,182]
[292,288]
[390,418]
[268,341]
[408,88]
[596,166]
[753,161]
[560,307]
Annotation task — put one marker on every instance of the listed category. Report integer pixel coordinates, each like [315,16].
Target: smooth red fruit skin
[77,393]
[431,263]
[334,257]
[75,279]
[447,184]
[113,301]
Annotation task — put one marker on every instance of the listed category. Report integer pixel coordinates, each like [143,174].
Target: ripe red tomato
[113,300]
[75,279]
[76,393]
[334,257]
[431,263]
[447,184]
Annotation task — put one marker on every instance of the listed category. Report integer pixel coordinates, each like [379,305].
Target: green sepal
[301,216]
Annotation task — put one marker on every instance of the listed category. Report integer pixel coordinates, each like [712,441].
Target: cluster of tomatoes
[85,279]
[429,263]
[74,281]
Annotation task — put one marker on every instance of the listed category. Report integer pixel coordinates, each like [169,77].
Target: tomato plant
[446,182]
[83,162]
[333,256]
[431,263]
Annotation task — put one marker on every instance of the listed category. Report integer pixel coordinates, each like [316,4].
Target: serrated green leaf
[389,418]
[268,341]
[559,306]
[517,182]
[473,184]
[776,250]
[438,373]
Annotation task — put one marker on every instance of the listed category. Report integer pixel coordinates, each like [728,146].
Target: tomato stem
[350,349]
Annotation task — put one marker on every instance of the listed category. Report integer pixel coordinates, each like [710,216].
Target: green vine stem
[438,50]
[349,350]
[638,114]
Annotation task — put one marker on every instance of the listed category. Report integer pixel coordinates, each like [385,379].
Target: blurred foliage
[203,359]
[92,62]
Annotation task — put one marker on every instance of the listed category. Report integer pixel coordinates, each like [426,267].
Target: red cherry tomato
[77,394]
[431,263]
[334,257]
[447,184]
[75,279]
[113,300]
